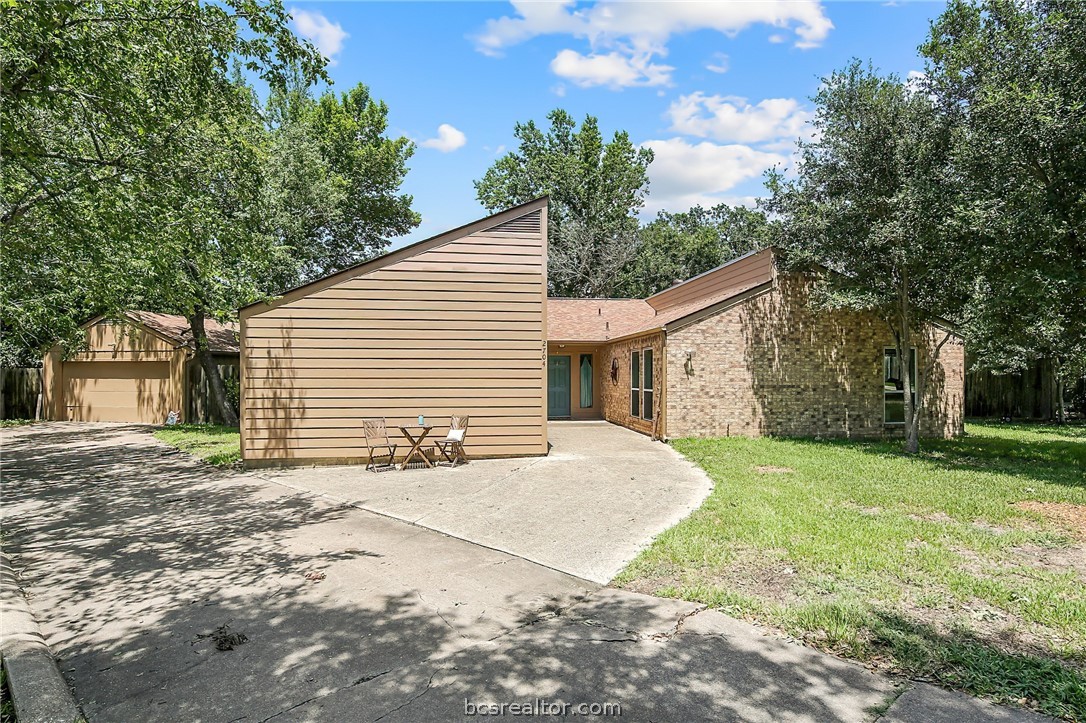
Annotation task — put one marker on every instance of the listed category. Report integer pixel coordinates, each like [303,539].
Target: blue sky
[719,90]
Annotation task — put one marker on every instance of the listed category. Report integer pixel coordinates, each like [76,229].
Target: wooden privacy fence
[198,406]
[20,392]
[1030,394]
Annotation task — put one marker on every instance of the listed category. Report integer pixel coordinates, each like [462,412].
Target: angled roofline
[684,282]
[392,257]
[127,315]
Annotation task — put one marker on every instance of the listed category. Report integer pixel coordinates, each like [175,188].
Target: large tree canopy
[1011,76]
[334,179]
[98,99]
[675,246]
[869,203]
[596,189]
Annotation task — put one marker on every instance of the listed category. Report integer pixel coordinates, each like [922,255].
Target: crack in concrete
[678,624]
[438,613]
[412,699]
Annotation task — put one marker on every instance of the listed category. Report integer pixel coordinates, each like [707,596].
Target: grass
[7,706]
[926,566]
[213,443]
[15,422]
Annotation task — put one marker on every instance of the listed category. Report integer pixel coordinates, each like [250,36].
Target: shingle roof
[222,338]
[593,320]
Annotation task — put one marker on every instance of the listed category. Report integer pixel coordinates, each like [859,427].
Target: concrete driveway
[172,591]
[602,494]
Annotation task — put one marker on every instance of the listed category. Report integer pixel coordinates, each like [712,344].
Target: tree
[869,204]
[1012,76]
[97,98]
[599,187]
[677,246]
[334,179]
[208,227]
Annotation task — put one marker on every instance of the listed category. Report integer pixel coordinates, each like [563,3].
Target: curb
[39,692]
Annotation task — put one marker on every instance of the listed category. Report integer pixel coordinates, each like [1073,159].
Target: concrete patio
[586,509]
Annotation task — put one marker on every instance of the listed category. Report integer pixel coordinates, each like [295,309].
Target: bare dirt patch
[1054,558]
[1065,514]
[770,469]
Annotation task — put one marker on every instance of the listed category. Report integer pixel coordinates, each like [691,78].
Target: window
[647,386]
[893,386]
[586,381]
[641,384]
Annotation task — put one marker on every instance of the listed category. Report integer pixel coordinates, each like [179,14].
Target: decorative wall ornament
[614,370]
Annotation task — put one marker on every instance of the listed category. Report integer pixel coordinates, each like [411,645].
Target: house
[454,324]
[136,368]
[738,350]
[461,324]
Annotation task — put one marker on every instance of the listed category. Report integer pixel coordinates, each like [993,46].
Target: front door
[557,386]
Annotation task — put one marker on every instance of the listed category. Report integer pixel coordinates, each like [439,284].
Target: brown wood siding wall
[454,329]
[754,269]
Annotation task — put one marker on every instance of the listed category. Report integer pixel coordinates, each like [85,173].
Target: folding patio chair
[376,439]
[452,447]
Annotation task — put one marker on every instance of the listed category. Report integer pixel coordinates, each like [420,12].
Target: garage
[137,368]
[117,391]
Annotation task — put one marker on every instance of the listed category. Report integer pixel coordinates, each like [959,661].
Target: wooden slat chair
[452,447]
[377,439]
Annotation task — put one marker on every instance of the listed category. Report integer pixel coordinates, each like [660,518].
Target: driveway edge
[38,690]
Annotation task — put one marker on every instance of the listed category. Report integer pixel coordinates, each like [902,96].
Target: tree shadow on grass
[1056,461]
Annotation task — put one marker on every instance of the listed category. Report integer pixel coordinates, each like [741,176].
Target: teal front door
[557,386]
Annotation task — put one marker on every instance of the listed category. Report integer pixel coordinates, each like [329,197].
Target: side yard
[213,443]
[965,567]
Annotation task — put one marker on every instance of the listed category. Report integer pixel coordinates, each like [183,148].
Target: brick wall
[615,395]
[772,365]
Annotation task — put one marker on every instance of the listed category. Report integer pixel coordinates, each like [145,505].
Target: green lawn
[965,566]
[212,443]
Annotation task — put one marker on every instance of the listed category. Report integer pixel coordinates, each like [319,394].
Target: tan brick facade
[615,393]
[770,365]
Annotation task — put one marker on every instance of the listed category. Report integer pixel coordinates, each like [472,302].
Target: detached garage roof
[598,320]
[223,338]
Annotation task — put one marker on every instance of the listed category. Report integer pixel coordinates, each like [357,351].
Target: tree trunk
[215,386]
[904,357]
[1061,409]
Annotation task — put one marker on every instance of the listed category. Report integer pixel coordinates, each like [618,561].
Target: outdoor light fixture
[688,365]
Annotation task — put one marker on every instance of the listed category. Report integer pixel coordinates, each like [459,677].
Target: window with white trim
[646,383]
[635,384]
[893,386]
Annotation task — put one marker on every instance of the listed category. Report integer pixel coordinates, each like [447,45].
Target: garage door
[117,391]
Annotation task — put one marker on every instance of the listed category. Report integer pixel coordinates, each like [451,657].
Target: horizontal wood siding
[744,272]
[457,328]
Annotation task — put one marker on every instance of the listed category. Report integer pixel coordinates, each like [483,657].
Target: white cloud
[637,32]
[719,63]
[645,25]
[685,174]
[448,139]
[325,34]
[613,70]
[730,118]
